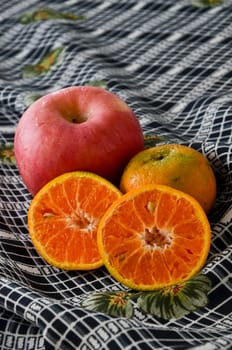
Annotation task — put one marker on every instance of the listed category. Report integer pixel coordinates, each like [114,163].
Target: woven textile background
[171,61]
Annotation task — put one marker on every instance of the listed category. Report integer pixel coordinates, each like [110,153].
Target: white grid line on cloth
[215,318]
[12,9]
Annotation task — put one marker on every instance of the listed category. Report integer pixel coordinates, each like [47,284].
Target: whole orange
[174,165]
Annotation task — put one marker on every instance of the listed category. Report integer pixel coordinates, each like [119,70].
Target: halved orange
[63,218]
[154,236]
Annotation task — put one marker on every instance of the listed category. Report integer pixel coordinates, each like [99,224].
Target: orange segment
[154,236]
[63,218]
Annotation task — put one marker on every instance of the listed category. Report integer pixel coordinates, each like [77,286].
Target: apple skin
[76,128]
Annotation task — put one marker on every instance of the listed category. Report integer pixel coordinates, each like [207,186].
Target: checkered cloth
[171,61]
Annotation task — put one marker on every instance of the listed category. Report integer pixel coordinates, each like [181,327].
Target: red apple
[76,128]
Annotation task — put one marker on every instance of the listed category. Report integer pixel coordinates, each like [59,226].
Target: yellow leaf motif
[7,154]
[44,65]
[207,3]
[46,13]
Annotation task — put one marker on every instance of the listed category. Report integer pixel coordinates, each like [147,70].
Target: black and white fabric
[171,61]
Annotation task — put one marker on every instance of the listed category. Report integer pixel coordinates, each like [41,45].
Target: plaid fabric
[171,61]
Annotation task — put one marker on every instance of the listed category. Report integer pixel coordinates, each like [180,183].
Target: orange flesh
[154,238]
[63,222]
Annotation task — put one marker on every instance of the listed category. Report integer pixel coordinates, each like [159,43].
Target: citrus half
[63,218]
[154,236]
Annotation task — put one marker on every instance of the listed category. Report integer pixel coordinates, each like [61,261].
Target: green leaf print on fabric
[176,301]
[168,303]
[98,83]
[152,140]
[7,154]
[116,303]
[207,3]
[44,65]
[47,13]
